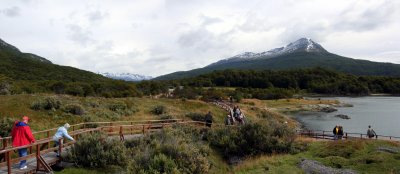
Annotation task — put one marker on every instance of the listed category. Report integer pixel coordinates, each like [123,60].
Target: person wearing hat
[22,136]
[61,134]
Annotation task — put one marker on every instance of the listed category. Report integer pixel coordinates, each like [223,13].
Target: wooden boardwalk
[41,154]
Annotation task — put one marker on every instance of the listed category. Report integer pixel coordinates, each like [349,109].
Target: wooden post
[361,136]
[37,157]
[131,127]
[8,158]
[48,143]
[346,136]
[5,143]
[143,130]
[60,145]
[323,134]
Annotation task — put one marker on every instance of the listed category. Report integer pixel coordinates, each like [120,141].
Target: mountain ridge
[17,65]
[303,53]
[126,76]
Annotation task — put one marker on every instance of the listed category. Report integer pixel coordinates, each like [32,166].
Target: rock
[315,167]
[342,116]
[388,149]
[328,109]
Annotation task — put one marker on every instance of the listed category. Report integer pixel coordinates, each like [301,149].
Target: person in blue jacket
[62,132]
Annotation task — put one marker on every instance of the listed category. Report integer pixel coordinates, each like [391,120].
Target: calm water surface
[382,113]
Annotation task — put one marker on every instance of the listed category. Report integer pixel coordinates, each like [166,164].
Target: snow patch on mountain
[301,45]
[126,76]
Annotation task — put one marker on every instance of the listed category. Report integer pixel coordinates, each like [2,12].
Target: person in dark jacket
[336,132]
[208,119]
[340,133]
[370,132]
[22,136]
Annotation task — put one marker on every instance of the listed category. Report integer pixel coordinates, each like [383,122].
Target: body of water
[382,113]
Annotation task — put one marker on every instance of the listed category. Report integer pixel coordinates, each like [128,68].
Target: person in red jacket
[22,135]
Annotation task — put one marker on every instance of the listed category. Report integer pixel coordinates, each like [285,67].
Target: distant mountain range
[126,76]
[303,53]
[17,65]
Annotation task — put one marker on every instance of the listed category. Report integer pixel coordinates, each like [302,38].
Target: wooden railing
[44,139]
[323,134]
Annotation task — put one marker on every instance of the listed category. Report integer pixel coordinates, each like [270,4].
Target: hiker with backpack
[370,132]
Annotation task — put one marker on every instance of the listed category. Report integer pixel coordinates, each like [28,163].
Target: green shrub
[122,109]
[173,150]
[6,124]
[166,117]
[117,106]
[36,105]
[74,109]
[252,139]
[89,118]
[49,103]
[159,110]
[109,115]
[195,116]
[96,150]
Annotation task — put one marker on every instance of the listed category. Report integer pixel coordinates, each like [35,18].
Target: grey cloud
[206,20]
[12,11]
[80,35]
[368,19]
[96,16]
[254,23]
[159,60]
[316,31]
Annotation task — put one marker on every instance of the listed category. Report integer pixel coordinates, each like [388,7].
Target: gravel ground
[315,167]
[388,149]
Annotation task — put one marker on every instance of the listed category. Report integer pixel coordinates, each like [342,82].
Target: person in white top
[60,134]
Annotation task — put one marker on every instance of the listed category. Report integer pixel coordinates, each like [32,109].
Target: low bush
[49,103]
[252,139]
[6,124]
[96,150]
[166,117]
[159,110]
[195,116]
[74,109]
[173,150]
[122,109]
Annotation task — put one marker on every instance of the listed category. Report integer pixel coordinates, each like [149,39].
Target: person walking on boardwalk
[336,132]
[22,136]
[62,132]
[370,132]
[208,119]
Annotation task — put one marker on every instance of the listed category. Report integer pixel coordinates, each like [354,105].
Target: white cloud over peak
[156,37]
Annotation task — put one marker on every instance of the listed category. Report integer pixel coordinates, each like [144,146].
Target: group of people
[22,135]
[338,132]
[234,115]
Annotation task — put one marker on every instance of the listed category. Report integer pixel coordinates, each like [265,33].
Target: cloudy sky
[155,37]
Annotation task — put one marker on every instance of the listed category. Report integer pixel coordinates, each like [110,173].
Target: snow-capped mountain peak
[126,76]
[300,45]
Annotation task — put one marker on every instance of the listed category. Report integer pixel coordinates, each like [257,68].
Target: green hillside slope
[299,60]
